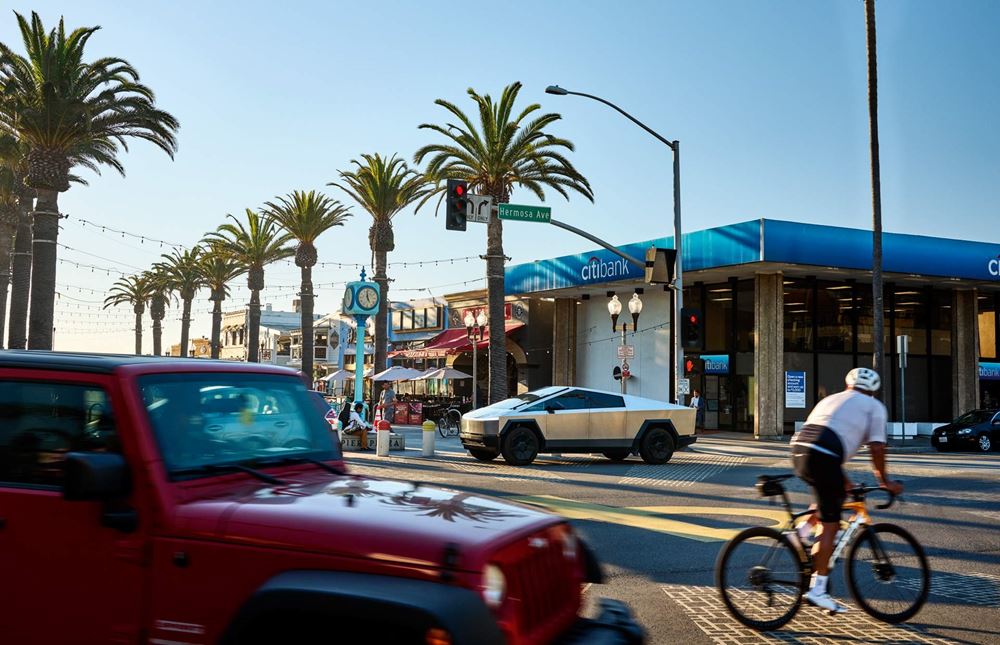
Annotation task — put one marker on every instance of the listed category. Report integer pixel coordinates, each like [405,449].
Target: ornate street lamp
[615,309]
[475,330]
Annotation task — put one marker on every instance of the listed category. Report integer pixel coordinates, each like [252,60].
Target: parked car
[574,419]
[160,528]
[978,429]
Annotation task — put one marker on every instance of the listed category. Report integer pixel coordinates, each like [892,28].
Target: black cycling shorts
[821,470]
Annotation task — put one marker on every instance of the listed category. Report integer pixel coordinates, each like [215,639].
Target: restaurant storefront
[786,311]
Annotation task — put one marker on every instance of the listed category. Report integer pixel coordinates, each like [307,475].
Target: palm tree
[253,246]
[217,270]
[383,187]
[878,309]
[56,103]
[506,151]
[306,216]
[182,276]
[160,295]
[133,290]
[13,160]
[8,226]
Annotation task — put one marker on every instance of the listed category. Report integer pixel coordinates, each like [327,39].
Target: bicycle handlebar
[859,493]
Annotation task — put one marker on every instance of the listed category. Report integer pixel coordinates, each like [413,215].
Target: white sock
[818,584]
[804,530]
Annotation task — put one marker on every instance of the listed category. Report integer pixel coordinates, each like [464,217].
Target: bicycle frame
[859,518]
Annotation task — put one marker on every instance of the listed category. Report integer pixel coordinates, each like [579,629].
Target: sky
[768,99]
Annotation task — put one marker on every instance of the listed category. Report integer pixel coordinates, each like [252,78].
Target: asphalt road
[658,530]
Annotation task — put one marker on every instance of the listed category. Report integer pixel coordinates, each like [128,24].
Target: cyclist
[835,430]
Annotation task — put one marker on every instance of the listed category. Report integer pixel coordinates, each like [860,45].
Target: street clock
[361,298]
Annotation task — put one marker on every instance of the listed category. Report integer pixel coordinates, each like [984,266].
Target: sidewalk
[911,445]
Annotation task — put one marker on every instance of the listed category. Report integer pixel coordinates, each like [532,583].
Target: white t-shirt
[856,418]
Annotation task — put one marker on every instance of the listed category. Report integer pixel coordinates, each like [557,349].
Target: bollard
[382,428]
[429,428]
[338,429]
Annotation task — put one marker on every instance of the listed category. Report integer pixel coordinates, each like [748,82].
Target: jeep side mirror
[96,476]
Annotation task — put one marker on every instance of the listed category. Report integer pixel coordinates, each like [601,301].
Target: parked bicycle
[763,572]
[450,423]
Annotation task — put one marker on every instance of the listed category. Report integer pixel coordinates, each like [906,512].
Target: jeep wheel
[617,454]
[657,446]
[520,446]
[483,455]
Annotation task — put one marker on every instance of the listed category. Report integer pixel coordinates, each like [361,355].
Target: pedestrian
[699,405]
[386,401]
[357,425]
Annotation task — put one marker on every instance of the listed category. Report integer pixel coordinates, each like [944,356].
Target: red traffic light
[689,365]
[694,320]
[460,190]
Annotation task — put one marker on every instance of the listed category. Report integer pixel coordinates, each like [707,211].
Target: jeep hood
[357,516]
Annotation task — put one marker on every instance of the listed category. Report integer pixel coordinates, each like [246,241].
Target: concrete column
[964,352]
[564,342]
[768,358]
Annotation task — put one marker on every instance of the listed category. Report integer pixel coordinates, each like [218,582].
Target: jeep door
[64,577]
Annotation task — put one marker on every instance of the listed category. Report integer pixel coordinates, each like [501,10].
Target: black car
[979,429]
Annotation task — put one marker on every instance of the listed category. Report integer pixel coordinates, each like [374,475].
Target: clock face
[368,298]
[348,298]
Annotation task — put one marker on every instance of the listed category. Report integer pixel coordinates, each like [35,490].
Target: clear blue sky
[767,98]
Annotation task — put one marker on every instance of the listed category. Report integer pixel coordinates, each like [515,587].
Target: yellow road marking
[656,518]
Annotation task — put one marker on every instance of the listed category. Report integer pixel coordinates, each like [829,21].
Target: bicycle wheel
[887,573]
[443,427]
[760,578]
[454,422]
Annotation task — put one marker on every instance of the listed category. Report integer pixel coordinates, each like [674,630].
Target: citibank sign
[596,269]
[993,267]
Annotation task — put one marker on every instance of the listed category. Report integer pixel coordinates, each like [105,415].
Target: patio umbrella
[444,373]
[338,377]
[397,373]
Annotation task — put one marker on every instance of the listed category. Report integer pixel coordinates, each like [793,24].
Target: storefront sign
[795,389]
[716,364]
[989,371]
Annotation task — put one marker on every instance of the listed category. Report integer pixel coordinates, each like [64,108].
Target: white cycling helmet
[862,378]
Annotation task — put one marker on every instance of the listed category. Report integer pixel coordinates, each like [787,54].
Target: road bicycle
[763,572]
[450,423]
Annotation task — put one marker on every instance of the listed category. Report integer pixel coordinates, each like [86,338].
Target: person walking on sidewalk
[698,404]
[386,401]
[836,428]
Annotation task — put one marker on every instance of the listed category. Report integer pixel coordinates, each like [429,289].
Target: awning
[451,341]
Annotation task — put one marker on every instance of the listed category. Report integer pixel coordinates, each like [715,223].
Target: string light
[142,238]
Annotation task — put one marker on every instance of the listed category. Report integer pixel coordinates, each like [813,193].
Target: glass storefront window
[744,316]
[798,316]
[941,323]
[833,317]
[832,370]
[986,304]
[911,317]
[718,316]
[866,320]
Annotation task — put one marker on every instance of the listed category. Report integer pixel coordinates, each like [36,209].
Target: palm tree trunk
[44,233]
[495,291]
[138,333]
[157,336]
[878,309]
[308,337]
[6,242]
[20,289]
[382,318]
[216,326]
[185,326]
[253,334]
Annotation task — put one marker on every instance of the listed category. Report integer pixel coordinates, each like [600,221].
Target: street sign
[902,348]
[626,351]
[478,209]
[521,213]
[684,386]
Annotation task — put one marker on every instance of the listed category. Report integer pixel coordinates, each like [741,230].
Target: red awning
[451,341]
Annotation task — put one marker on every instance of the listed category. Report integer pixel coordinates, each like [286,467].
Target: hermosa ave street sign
[521,213]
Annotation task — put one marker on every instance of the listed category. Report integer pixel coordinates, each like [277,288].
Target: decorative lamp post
[615,309]
[475,330]
[361,301]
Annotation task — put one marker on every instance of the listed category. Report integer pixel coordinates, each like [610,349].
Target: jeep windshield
[206,420]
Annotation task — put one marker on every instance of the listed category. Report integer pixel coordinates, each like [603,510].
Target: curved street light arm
[628,116]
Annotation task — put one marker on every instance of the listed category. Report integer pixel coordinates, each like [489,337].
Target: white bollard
[429,428]
[382,439]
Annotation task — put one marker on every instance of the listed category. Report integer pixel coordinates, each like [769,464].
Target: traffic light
[456,204]
[691,324]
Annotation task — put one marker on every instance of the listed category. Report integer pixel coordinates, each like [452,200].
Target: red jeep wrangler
[175,501]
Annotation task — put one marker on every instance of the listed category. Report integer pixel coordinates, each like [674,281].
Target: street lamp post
[615,309]
[678,285]
[475,330]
